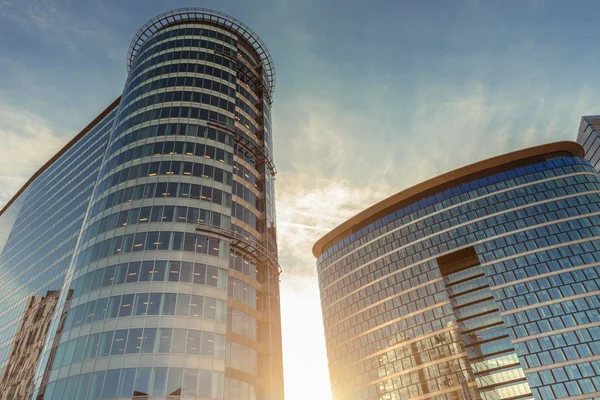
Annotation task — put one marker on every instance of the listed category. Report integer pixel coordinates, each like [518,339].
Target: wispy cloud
[55,23]
[336,170]
[328,177]
[306,213]
[27,142]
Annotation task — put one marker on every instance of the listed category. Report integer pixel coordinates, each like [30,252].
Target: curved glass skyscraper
[482,283]
[157,225]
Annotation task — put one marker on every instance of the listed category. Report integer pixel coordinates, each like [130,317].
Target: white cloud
[27,143]
[329,177]
[333,168]
[463,126]
[456,129]
[305,213]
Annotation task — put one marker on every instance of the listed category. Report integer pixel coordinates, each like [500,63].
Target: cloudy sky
[371,97]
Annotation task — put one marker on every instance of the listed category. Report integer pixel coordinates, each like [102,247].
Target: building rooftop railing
[183,15]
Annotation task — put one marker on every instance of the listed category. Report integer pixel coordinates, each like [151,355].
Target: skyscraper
[483,283]
[157,225]
[589,138]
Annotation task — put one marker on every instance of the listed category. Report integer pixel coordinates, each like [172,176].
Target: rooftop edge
[66,147]
[458,174]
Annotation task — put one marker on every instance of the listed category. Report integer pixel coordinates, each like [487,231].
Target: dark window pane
[133,272]
[70,388]
[164,344]
[92,346]
[190,379]
[82,386]
[146,271]
[141,304]
[210,306]
[121,274]
[118,345]
[105,343]
[207,347]
[179,341]
[110,383]
[160,268]
[199,273]
[204,383]
[96,385]
[183,304]
[79,315]
[156,214]
[144,215]
[186,271]
[114,303]
[152,241]
[142,382]
[133,216]
[193,341]
[109,276]
[164,241]
[177,241]
[201,244]
[148,340]
[174,381]
[138,242]
[134,341]
[211,275]
[169,301]
[79,349]
[160,381]
[181,215]
[126,382]
[189,242]
[174,267]
[154,304]
[89,312]
[196,306]
[192,215]
[126,305]
[98,276]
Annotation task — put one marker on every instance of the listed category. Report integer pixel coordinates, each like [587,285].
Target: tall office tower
[482,283]
[157,225]
[589,138]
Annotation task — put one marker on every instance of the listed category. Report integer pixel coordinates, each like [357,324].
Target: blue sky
[371,98]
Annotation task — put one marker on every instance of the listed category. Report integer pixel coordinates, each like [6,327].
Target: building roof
[190,15]
[62,151]
[442,182]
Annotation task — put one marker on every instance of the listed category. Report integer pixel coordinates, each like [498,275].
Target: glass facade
[40,228]
[168,274]
[589,138]
[479,284]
